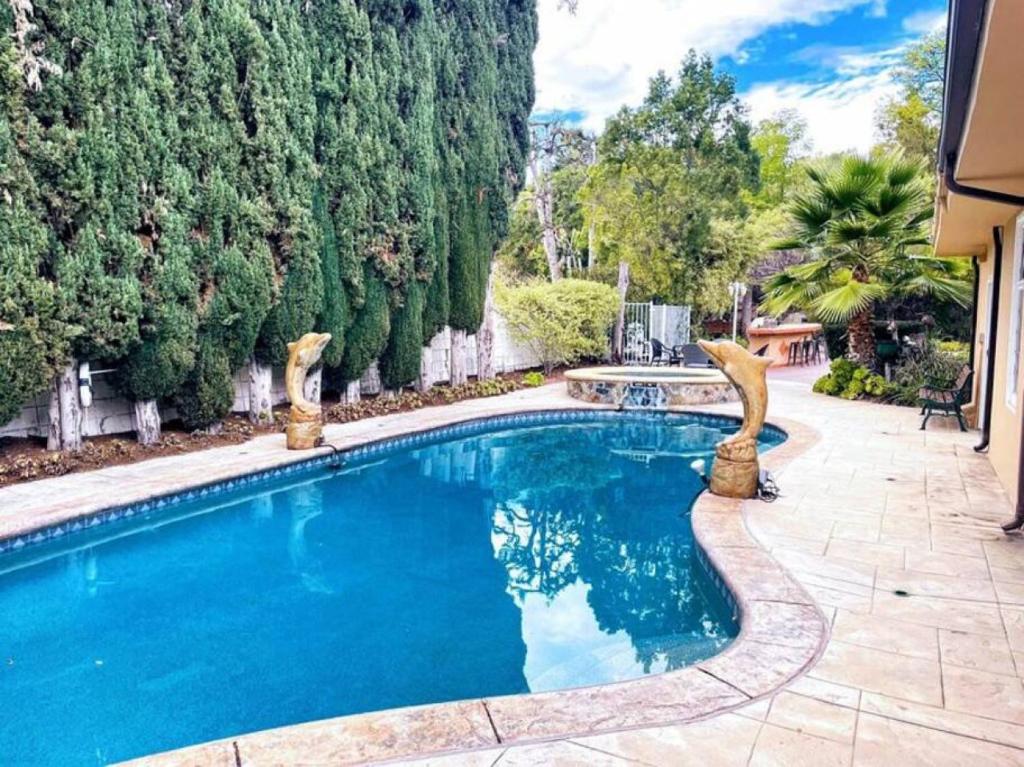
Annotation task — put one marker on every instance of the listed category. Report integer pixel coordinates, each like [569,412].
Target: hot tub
[650,387]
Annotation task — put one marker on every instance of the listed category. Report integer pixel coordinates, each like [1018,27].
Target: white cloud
[925,21]
[840,115]
[602,58]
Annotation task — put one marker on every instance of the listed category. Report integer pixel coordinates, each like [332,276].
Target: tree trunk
[314,381]
[747,316]
[65,429]
[543,201]
[485,336]
[862,339]
[146,421]
[53,419]
[619,333]
[261,409]
[591,246]
[458,358]
[352,394]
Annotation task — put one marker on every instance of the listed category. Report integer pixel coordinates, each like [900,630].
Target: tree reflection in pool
[532,558]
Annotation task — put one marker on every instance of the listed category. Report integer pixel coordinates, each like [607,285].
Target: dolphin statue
[304,428]
[747,374]
[736,470]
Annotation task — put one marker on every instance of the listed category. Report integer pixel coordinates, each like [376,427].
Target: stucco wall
[1005,432]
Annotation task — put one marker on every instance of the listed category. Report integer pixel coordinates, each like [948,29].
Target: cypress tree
[369,332]
[334,310]
[30,338]
[189,185]
[400,361]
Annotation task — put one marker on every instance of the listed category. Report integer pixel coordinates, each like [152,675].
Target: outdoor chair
[694,357]
[947,402]
[663,355]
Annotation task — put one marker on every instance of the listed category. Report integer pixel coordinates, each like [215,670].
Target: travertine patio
[932,678]
[893,531]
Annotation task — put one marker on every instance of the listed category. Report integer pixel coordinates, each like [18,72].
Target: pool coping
[782,634]
[647,374]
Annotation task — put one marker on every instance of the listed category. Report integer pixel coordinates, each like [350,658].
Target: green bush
[208,392]
[959,349]
[848,380]
[934,368]
[533,379]
[561,322]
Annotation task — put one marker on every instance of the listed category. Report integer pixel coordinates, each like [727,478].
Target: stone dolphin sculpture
[304,427]
[735,471]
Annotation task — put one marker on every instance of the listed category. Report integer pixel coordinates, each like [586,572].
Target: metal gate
[668,324]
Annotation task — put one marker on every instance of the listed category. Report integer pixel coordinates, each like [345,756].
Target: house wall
[1005,432]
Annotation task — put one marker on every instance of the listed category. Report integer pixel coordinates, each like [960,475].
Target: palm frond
[848,300]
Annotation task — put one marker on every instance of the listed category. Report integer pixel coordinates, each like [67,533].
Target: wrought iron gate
[668,324]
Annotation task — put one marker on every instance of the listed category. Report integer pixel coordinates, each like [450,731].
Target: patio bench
[947,401]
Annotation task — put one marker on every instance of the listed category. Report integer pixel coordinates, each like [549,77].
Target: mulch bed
[27,459]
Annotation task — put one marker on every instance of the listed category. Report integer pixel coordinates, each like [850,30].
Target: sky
[829,59]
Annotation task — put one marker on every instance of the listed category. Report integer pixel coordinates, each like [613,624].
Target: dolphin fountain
[305,429]
[735,471]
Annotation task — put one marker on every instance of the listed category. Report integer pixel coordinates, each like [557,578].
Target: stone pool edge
[782,634]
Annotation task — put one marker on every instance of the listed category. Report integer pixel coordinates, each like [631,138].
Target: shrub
[849,380]
[561,322]
[208,392]
[934,368]
[958,349]
[533,379]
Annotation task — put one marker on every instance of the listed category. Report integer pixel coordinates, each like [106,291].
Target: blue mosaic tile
[373,450]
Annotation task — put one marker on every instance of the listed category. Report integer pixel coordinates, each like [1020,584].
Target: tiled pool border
[781,635]
[379,447]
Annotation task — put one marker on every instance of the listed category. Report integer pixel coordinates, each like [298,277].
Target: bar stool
[816,353]
[794,353]
[808,351]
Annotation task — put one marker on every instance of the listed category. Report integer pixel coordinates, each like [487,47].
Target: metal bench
[947,402]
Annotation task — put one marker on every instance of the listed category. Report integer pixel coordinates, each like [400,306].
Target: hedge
[184,186]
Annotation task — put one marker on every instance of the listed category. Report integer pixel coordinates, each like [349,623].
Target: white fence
[643,322]
[110,413]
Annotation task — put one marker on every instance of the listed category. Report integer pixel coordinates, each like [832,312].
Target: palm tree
[864,220]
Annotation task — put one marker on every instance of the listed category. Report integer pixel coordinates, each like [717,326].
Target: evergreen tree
[369,332]
[187,185]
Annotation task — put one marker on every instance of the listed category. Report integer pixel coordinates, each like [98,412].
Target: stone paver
[931,676]
[893,532]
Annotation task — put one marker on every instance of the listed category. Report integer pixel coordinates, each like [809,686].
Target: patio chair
[694,357]
[663,355]
[947,402]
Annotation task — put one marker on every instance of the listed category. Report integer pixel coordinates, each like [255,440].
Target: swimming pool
[522,554]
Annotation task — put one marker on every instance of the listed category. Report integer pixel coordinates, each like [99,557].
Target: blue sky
[829,59]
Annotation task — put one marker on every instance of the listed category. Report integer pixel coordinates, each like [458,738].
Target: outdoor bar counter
[779,339]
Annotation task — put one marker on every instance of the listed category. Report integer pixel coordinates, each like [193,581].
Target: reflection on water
[590,525]
[529,559]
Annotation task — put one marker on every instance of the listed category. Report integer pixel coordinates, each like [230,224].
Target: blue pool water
[500,559]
